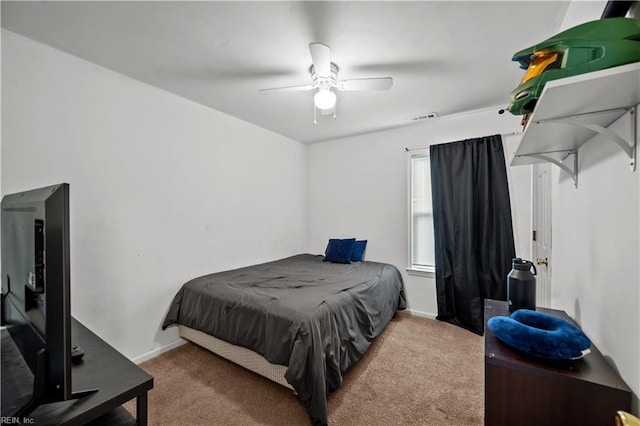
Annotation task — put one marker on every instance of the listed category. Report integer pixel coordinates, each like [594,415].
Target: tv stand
[112,378]
[38,396]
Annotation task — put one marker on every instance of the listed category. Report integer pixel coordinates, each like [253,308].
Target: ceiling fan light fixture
[325,99]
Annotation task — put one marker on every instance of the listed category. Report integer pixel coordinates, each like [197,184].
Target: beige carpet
[418,372]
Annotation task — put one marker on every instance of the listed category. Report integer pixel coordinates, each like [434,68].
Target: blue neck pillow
[541,335]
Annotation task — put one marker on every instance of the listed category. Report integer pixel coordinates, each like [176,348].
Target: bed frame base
[242,356]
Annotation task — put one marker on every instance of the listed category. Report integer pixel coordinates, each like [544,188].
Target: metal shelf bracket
[628,146]
[571,170]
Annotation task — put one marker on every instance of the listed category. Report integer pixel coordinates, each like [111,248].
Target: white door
[542,232]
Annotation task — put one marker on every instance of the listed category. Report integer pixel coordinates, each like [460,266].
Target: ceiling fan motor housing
[324,81]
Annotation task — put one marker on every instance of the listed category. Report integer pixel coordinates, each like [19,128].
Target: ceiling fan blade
[287,89]
[321,57]
[382,83]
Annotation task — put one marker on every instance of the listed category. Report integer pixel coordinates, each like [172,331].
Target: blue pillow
[540,334]
[358,251]
[339,250]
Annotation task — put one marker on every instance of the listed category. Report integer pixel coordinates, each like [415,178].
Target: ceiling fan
[324,79]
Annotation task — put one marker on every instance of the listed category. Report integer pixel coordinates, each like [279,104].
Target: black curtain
[472,228]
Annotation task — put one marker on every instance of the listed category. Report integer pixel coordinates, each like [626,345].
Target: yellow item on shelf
[625,419]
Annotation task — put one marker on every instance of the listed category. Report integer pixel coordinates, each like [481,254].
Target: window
[421,245]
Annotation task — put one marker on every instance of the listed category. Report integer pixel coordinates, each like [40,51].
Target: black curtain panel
[472,227]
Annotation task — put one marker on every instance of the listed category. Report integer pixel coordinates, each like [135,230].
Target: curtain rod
[504,135]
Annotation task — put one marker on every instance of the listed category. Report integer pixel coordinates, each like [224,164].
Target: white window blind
[421,244]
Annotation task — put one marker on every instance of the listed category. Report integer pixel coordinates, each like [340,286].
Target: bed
[306,318]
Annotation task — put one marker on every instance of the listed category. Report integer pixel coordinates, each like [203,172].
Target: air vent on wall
[426,116]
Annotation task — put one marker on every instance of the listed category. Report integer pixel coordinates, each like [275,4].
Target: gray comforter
[316,318]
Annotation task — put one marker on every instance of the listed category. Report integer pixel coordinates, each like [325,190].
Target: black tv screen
[36,287]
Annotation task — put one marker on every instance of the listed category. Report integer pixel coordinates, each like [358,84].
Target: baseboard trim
[421,314]
[154,353]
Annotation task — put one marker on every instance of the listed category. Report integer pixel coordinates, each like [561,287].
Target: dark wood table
[115,377]
[523,390]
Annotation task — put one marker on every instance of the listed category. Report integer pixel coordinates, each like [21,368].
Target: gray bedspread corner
[174,310]
[316,318]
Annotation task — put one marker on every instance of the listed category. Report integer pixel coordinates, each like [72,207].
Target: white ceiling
[444,56]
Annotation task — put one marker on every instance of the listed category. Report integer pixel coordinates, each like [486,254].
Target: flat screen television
[36,300]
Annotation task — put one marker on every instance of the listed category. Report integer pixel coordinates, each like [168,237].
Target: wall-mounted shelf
[571,111]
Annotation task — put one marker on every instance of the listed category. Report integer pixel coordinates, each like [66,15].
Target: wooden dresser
[523,390]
